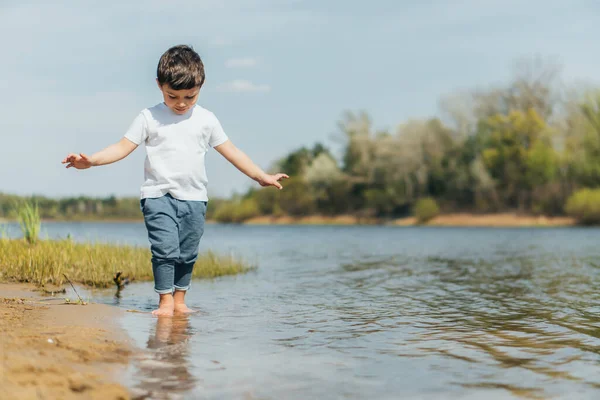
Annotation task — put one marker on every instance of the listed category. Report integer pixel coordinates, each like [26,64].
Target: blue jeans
[174,231]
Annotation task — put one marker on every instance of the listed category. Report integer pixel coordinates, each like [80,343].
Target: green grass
[29,219]
[92,264]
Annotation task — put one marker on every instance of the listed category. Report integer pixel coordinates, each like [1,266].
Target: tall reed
[30,221]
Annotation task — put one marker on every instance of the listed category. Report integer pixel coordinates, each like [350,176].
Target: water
[374,312]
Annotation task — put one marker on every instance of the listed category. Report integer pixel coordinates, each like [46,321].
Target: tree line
[73,208]
[527,146]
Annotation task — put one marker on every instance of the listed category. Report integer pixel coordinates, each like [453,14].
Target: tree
[295,163]
[533,86]
[516,154]
[296,199]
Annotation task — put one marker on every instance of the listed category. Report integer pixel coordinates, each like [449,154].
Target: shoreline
[52,349]
[503,220]
[499,220]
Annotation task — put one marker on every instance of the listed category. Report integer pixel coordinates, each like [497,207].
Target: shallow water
[374,312]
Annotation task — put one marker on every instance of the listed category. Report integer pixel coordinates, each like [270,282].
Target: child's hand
[272,180]
[79,161]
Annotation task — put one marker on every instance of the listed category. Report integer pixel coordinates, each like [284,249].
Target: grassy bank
[89,264]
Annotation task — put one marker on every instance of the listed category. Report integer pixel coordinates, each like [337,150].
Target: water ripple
[392,313]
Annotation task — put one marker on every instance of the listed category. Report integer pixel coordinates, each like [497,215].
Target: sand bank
[458,219]
[54,350]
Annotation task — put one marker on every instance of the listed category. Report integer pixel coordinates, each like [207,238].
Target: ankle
[165,299]
[179,297]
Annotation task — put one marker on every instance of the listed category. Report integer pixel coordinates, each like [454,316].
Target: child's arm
[109,155]
[242,162]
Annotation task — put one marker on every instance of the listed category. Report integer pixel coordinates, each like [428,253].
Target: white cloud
[241,85]
[241,62]
[220,42]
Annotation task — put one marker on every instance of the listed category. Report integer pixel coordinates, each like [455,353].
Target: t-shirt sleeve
[137,132]
[217,135]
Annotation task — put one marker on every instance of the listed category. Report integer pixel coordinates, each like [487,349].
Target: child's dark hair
[180,67]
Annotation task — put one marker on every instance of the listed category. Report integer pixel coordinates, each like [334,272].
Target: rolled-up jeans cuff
[182,289]
[164,291]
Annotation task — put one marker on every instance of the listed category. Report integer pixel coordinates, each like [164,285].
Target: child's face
[179,101]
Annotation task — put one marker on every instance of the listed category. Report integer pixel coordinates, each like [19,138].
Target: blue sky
[279,73]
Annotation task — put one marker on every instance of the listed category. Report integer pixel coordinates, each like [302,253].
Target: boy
[177,134]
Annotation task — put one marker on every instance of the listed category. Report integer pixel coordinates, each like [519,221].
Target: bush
[584,206]
[225,212]
[237,211]
[296,198]
[426,209]
[247,209]
[379,201]
[266,200]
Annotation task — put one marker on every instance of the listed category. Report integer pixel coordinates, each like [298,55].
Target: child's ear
[158,83]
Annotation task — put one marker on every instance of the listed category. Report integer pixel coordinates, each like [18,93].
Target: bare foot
[166,311]
[179,299]
[165,306]
[182,308]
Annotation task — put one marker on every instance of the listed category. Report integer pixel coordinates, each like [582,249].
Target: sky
[279,73]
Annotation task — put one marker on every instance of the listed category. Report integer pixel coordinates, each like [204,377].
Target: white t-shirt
[175,150]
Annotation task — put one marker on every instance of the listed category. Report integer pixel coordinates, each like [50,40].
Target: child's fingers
[71,158]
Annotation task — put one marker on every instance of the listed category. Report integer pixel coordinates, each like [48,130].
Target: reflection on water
[163,372]
[385,313]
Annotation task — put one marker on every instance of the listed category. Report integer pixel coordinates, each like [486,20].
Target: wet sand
[54,350]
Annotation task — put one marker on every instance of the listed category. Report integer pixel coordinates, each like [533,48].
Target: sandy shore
[464,219]
[54,350]
[491,220]
[308,220]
